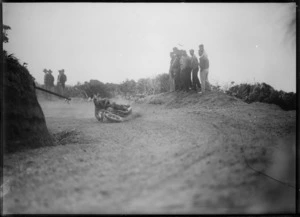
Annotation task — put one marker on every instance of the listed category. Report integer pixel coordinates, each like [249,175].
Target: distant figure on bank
[176,69]
[46,78]
[188,72]
[195,68]
[171,75]
[46,82]
[61,80]
[204,69]
[184,70]
[51,82]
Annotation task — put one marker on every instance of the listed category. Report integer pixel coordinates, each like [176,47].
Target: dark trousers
[48,95]
[188,79]
[196,82]
[60,88]
[177,79]
[185,78]
[182,79]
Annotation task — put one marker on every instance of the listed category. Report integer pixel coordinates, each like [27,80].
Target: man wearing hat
[51,81]
[47,82]
[46,76]
[176,69]
[195,69]
[188,72]
[61,80]
[204,69]
[171,78]
[172,70]
[185,72]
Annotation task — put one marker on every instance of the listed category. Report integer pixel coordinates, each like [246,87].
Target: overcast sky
[245,42]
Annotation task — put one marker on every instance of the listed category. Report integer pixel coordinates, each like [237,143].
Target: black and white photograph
[149,108]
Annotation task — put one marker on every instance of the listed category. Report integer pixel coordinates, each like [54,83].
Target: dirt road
[175,154]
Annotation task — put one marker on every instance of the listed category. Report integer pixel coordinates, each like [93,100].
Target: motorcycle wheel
[123,113]
[113,117]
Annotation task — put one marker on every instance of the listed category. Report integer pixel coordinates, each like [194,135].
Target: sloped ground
[23,118]
[177,153]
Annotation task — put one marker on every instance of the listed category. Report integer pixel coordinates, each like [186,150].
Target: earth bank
[177,153]
[24,121]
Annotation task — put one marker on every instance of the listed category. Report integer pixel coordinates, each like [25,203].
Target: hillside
[177,153]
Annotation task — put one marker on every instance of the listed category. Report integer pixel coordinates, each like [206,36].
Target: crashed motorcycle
[105,111]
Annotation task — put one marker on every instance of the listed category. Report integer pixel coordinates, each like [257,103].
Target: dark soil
[24,121]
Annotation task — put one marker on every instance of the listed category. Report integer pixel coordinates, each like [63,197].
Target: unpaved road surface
[177,153]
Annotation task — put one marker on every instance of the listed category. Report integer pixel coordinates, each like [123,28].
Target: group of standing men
[49,81]
[184,70]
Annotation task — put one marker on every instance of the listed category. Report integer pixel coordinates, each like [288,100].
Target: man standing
[61,80]
[188,72]
[46,82]
[171,74]
[204,69]
[184,71]
[176,70]
[46,78]
[195,69]
[51,81]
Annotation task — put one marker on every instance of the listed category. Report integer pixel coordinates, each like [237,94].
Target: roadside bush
[262,92]
[156,85]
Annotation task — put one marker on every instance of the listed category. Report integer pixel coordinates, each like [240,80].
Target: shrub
[262,92]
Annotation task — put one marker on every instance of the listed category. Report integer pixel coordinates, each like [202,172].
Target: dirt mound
[259,94]
[24,121]
[262,92]
[191,99]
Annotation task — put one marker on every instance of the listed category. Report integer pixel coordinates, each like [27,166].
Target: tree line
[127,88]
